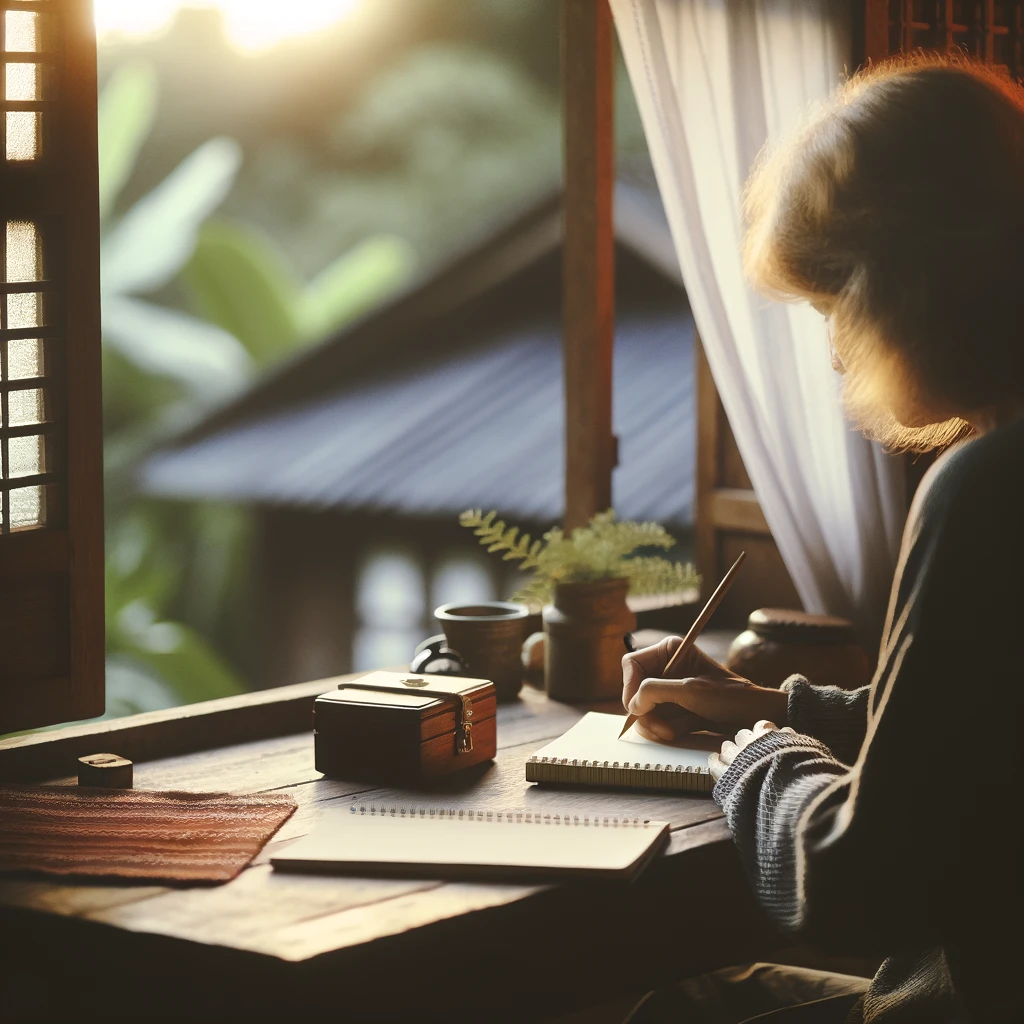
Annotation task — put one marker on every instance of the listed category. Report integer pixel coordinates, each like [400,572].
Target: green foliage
[495,536]
[423,140]
[127,106]
[439,145]
[353,284]
[153,661]
[239,280]
[161,367]
[603,549]
[176,573]
[153,239]
[144,249]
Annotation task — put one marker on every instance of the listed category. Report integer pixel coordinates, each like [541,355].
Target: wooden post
[871,31]
[709,445]
[588,269]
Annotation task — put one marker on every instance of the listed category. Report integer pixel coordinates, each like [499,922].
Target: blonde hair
[899,209]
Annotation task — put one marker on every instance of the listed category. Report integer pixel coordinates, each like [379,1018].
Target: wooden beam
[733,508]
[588,271]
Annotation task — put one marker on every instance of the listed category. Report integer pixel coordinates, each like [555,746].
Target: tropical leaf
[153,240]
[239,282]
[134,399]
[210,362]
[143,575]
[353,284]
[127,106]
[216,576]
[135,569]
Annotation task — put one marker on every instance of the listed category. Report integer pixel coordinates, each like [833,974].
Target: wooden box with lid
[402,728]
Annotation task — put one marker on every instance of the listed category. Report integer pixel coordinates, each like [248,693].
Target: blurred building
[360,454]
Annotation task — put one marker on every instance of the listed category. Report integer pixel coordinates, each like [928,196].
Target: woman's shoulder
[963,543]
[981,477]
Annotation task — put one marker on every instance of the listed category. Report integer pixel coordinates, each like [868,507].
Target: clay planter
[583,645]
[489,638]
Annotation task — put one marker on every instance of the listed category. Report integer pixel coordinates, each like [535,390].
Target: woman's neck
[996,416]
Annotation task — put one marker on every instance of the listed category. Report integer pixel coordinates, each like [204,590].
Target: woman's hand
[719,763]
[703,694]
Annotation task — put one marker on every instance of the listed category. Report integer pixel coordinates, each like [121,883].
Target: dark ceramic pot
[779,642]
[488,636]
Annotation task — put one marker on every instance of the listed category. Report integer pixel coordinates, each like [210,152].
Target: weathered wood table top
[381,948]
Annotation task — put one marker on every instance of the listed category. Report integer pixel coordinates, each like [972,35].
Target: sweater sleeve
[764,793]
[885,855]
[839,718]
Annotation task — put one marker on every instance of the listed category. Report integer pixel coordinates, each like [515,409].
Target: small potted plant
[581,579]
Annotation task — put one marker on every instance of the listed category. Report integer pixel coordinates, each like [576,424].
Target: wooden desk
[279,944]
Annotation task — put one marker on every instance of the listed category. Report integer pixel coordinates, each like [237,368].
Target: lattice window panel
[32,400]
[51,467]
[990,30]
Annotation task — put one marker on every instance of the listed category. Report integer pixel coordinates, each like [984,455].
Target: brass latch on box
[462,704]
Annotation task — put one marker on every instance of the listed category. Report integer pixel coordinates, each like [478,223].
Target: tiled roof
[481,428]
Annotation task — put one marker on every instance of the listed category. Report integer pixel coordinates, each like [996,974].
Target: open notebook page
[595,738]
[494,844]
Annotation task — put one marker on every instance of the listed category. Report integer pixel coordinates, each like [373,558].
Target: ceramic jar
[488,637]
[779,642]
[583,648]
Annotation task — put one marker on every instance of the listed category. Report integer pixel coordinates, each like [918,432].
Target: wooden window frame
[51,576]
[987,31]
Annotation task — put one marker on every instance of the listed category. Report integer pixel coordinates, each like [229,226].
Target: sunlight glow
[252,26]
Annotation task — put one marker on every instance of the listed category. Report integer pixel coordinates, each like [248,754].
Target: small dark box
[395,727]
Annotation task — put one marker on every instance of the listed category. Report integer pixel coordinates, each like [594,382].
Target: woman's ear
[837,363]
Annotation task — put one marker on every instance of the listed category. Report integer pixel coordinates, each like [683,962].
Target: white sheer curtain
[713,80]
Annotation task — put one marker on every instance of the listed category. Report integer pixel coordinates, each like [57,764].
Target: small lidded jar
[779,642]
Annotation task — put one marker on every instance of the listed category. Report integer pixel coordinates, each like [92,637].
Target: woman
[884,821]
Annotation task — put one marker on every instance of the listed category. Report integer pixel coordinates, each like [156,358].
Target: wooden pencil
[698,624]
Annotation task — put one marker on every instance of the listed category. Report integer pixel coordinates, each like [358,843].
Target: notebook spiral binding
[512,817]
[621,766]
[679,778]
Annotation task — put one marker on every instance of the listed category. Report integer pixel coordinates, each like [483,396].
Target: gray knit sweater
[890,825]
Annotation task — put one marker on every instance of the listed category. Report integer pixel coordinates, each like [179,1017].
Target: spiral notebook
[592,754]
[428,842]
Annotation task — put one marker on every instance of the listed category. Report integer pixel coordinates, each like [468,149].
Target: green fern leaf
[603,549]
